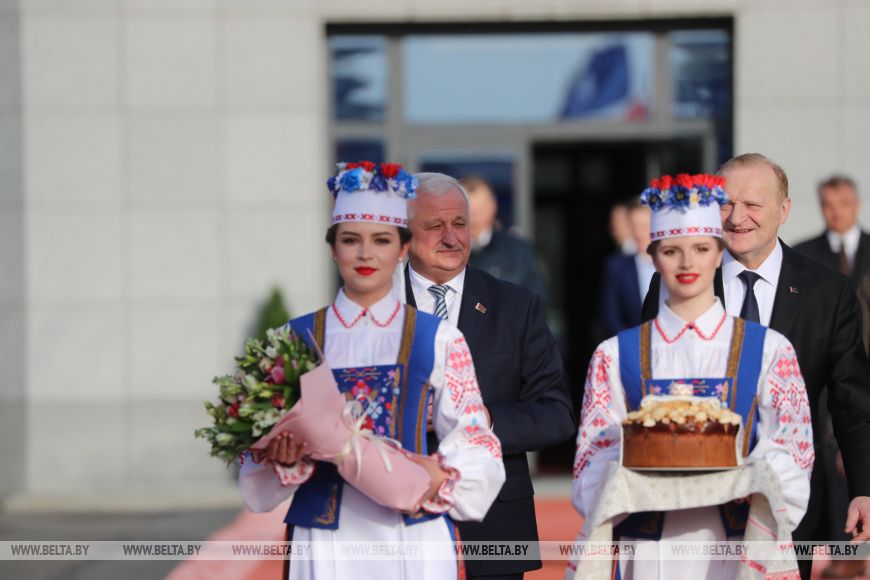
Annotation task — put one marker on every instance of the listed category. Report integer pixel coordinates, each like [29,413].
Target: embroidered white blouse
[469,450]
[683,350]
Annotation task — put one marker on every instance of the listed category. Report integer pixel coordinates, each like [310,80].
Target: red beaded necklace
[363,313]
[694,327]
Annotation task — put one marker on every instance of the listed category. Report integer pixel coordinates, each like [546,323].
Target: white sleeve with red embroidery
[600,423]
[468,448]
[785,432]
[265,485]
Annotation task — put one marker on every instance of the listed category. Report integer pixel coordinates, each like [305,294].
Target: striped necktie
[439,291]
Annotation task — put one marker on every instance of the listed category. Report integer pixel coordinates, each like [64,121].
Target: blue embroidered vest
[737,390]
[401,395]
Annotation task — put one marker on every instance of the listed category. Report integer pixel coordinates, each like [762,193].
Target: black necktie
[750,304]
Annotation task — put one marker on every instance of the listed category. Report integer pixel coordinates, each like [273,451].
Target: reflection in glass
[352,150]
[528,78]
[496,170]
[359,77]
[701,73]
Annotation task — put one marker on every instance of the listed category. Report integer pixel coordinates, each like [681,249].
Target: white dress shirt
[848,240]
[426,302]
[765,288]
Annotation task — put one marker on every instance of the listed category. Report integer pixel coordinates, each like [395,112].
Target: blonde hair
[757,159]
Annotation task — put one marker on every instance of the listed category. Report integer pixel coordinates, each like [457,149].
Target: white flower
[224,438]
[270,417]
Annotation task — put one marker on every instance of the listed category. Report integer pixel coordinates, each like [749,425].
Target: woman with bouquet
[693,344]
[393,360]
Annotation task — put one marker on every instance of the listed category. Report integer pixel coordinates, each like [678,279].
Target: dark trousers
[829,502]
[825,520]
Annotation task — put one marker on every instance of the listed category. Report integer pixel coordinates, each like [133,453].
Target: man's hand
[858,519]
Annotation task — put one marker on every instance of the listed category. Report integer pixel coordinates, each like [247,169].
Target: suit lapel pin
[480,308]
[793,290]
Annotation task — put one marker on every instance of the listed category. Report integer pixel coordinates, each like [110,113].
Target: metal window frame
[406,143]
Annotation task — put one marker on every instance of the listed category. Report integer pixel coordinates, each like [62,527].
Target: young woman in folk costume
[388,355]
[693,338]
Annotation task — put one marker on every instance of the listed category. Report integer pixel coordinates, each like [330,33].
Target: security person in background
[495,250]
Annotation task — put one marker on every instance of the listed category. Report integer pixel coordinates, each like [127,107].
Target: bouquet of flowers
[263,389]
[282,386]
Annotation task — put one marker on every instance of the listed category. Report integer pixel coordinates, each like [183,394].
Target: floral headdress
[685,205]
[366,192]
[684,191]
[367,176]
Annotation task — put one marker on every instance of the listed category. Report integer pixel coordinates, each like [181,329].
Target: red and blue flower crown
[367,176]
[684,191]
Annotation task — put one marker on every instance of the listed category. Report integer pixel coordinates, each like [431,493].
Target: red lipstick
[365,271]
[687,278]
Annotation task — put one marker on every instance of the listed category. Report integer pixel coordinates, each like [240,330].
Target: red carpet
[558,521]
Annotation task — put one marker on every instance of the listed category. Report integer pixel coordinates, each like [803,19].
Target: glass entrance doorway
[575,185]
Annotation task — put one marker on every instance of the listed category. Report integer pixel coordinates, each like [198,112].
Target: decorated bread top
[667,409]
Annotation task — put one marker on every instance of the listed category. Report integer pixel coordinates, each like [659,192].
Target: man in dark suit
[494,249]
[626,277]
[843,245]
[518,366]
[762,279]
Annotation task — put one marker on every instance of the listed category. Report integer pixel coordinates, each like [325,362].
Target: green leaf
[240,426]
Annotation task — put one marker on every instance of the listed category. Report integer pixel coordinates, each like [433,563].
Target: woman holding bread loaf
[691,381]
[392,360]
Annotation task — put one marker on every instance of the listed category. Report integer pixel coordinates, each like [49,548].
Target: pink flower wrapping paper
[375,466]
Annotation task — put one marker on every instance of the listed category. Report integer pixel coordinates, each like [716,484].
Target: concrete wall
[163,165]
[175,157]
[803,95]
[13,383]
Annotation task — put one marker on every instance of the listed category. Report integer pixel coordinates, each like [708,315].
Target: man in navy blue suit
[518,366]
[626,278]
